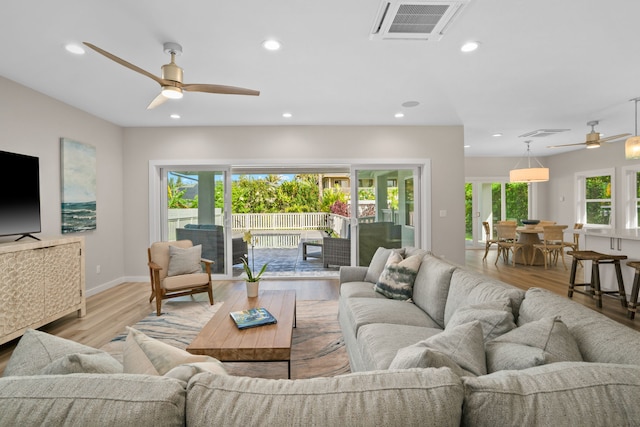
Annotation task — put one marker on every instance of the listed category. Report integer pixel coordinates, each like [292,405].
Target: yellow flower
[247,237]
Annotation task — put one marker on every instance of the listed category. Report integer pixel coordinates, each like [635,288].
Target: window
[631,176]
[595,199]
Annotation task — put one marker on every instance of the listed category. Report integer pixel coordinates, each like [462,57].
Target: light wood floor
[110,311]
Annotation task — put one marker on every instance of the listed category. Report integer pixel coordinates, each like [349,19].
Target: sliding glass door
[196,209]
[386,209]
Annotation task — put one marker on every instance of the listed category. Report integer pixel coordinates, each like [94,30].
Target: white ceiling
[541,64]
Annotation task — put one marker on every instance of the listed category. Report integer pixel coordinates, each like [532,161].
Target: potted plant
[253,280]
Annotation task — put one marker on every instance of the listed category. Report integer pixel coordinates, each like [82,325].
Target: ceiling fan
[593,138]
[171,80]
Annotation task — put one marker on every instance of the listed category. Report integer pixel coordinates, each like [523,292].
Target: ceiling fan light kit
[632,145]
[529,174]
[171,80]
[594,139]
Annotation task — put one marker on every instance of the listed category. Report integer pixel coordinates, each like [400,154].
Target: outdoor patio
[288,262]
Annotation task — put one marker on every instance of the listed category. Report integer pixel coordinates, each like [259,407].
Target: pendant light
[529,174]
[632,144]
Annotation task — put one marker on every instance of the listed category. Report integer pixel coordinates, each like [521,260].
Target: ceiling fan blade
[126,64]
[611,138]
[158,100]
[227,90]
[566,145]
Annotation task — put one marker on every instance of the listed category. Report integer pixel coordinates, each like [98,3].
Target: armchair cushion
[184,260]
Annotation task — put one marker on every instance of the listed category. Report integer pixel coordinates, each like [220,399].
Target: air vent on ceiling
[415,20]
[541,133]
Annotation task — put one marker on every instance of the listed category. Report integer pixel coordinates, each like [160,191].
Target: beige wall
[296,145]
[32,123]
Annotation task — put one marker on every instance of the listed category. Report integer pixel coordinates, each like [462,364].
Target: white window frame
[630,198]
[581,201]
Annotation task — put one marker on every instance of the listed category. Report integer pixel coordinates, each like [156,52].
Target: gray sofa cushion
[37,349]
[378,343]
[92,400]
[495,318]
[359,290]
[599,338]
[416,356]
[364,311]
[543,341]
[559,394]
[469,288]
[421,397]
[79,363]
[431,287]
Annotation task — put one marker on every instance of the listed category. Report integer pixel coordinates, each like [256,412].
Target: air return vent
[415,20]
[541,133]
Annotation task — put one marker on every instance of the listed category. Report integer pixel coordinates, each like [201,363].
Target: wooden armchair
[187,277]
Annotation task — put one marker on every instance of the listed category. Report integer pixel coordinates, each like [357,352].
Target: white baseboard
[113,283]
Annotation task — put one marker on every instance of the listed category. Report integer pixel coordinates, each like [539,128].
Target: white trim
[580,196]
[112,284]
[629,197]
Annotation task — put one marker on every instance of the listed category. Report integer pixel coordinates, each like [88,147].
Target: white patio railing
[276,230]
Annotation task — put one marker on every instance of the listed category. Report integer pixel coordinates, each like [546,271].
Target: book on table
[252,317]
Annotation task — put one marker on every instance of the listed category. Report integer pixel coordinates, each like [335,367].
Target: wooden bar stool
[597,259]
[633,303]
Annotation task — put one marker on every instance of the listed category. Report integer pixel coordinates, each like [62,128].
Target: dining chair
[575,244]
[542,223]
[488,239]
[551,245]
[508,242]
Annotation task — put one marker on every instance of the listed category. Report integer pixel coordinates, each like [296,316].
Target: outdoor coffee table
[221,338]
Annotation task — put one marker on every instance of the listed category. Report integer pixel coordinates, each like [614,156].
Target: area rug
[318,347]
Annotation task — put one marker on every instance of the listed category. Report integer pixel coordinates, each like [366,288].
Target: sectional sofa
[523,358]
[463,349]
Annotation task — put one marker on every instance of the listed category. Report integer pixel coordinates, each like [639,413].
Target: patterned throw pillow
[396,280]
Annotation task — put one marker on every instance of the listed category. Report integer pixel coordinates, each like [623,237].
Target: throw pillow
[186,371]
[495,317]
[378,262]
[146,355]
[78,363]
[547,340]
[463,345]
[398,276]
[184,261]
[416,356]
[37,349]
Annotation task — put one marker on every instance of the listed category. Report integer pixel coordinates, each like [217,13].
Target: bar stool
[633,303]
[597,259]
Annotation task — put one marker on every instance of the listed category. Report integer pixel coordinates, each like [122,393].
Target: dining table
[529,236]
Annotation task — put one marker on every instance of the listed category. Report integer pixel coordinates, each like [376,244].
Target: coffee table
[221,338]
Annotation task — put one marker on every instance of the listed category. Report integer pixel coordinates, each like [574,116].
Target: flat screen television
[20,201]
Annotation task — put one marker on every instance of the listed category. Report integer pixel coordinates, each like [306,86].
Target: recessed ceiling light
[74,48]
[469,46]
[399,115]
[410,104]
[467,146]
[497,134]
[287,115]
[271,44]
[175,116]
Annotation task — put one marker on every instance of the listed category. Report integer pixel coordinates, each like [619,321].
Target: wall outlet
[443,213]
[98,269]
